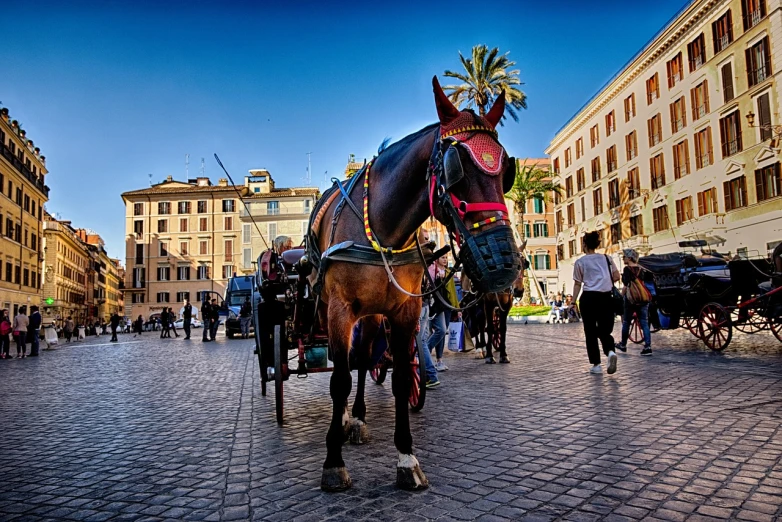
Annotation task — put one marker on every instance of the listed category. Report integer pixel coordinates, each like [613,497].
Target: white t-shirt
[592,271]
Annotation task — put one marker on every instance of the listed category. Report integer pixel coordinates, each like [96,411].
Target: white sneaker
[440,366]
[611,362]
[596,369]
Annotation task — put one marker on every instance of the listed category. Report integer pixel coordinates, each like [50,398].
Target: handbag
[636,292]
[617,301]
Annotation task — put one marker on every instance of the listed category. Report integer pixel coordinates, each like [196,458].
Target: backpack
[636,291]
[5,328]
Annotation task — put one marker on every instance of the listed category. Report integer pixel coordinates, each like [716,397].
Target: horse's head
[469,176]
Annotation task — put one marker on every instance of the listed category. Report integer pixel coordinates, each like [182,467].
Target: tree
[485,76]
[532,182]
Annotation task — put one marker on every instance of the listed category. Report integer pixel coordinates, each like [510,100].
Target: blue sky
[115,91]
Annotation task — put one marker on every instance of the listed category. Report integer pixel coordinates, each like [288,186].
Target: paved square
[178,430]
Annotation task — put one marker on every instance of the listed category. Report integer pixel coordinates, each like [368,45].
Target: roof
[287,192]
[178,187]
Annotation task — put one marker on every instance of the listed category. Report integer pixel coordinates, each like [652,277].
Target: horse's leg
[363,355]
[490,333]
[340,324]
[503,331]
[408,473]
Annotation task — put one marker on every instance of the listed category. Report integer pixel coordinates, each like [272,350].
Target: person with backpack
[636,301]
[246,317]
[34,330]
[68,329]
[5,332]
[21,322]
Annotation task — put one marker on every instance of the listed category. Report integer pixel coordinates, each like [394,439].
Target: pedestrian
[139,325]
[164,329]
[68,329]
[596,274]
[171,320]
[187,316]
[214,310]
[206,317]
[21,321]
[5,332]
[34,330]
[432,381]
[246,317]
[128,325]
[437,313]
[632,272]
[114,321]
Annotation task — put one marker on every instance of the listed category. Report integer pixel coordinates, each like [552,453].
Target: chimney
[170,178]
[222,182]
[203,182]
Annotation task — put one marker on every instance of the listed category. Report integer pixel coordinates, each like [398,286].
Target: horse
[367,263]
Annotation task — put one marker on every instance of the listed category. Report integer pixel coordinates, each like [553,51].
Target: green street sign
[49,301]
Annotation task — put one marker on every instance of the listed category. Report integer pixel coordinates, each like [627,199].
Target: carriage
[711,296]
[290,340]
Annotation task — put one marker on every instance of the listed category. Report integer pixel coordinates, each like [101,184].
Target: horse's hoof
[359,434]
[504,359]
[335,479]
[490,360]
[409,475]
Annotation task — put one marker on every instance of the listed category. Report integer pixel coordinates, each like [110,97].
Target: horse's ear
[497,110]
[445,109]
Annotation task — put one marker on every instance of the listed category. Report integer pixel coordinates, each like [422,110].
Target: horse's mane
[391,151]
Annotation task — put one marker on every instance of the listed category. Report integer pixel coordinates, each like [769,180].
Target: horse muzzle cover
[491,259]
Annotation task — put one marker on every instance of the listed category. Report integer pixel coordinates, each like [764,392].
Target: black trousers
[186,326]
[597,316]
[113,333]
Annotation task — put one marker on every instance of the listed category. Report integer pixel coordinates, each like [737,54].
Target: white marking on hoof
[409,475]
[359,434]
[407,461]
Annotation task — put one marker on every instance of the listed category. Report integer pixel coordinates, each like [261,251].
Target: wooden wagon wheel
[748,320]
[278,375]
[715,327]
[417,395]
[691,323]
[636,332]
[378,374]
[775,323]
[496,338]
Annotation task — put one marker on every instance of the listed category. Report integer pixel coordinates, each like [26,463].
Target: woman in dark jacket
[630,273]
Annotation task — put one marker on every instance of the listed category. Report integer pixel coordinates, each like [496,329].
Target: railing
[23,170]
[656,138]
[632,153]
[697,61]
[613,201]
[753,18]
[730,148]
[700,110]
[677,77]
[704,160]
[680,171]
[723,42]
[611,166]
[678,124]
[139,284]
[758,75]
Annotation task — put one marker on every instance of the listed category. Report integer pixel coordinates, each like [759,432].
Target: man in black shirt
[33,330]
[206,315]
[114,321]
[214,314]
[187,316]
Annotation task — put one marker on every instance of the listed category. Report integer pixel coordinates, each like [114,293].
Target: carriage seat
[713,286]
[291,257]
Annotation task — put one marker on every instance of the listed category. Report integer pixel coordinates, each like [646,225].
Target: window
[229,223]
[735,193]
[616,233]
[611,158]
[162,297]
[202,207]
[652,89]
[571,246]
[613,194]
[674,69]
[181,297]
[183,207]
[184,248]
[758,62]
[203,272]
[633,183]
[10,184]
[657,171]
[138,209]
[571,215]
[727,82]
[560,252]
[767,182]
[162,225]
[183,274]
[636,225]
[764,117]
[19,196]
[163,273]
[722,32]
[272,208]
[580,180]
[538,207]
[558,221]
[631,145]
[678,115]
[683,210]
[9,272]
[610,122]
[629,107]
[569,186]
[203,248]
[137,298]
[556,166]
[655,128]
[681,160]
[228,205]
[26,277]
[703,152]
[597,200]
[34,242]
[595,169]
[307,206]
[696,50]
[139,277]
[247,257]
[139,254]
[183,225]
[246,233]
[730,134]
[753,11]
[229,249]
[700,100]
[164,207]
[202,225]
[707,201]
[540,229]
[228,271]
[163,248]
[567,157]
[579,147]
[583,209]
[542,261]
[594,136]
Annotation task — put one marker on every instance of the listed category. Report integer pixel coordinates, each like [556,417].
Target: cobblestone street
[151,429]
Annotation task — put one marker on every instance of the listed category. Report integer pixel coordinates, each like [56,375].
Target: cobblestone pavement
[178,430]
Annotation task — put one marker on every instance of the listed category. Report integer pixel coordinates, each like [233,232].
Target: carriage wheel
[715,327]
[636,332]
[748,320]
[278,377]
[417,374]
[496,338]
[691,323]
[776,327]
[378,375]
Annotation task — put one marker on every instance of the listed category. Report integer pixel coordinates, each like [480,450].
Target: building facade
[273,212]
[24,193]
[66,262]
[666,151]
[182,239]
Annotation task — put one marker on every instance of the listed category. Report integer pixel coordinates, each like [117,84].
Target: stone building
[66,262]
[681,143]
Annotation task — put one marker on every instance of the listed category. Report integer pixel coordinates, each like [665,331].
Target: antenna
[150,179]
[187,166]
[202,167]
[308,179]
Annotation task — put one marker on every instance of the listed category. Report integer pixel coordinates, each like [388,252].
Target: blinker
[452,166]
[509,176]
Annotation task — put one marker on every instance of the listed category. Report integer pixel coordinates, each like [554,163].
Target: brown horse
[456,170]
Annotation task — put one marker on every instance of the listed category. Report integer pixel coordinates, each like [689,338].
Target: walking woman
[635,304]
[5,333]
[596,274]
[164,332]
[20,329]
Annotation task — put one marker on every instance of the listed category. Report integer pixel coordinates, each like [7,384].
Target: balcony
[722,43]
[284,211]
[753,18]
[23,170]
[611,166]
[700,110]
[678,125]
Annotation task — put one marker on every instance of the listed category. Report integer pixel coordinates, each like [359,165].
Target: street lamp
[776,130]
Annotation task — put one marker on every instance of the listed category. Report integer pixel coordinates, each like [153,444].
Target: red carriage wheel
[691,323]
[715,327]
[636,332]
[776,327]
[748,320]
[378,374]
[496,338]
[417,374]
[278,375]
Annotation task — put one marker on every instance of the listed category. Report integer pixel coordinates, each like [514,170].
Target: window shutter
[743,190]
[766,48]
[715,36]
[730,26]
[728,196]
[670,74]
[701,203]
[673,118]
[763,9]
[745,11]
[750,61]
[706,94]
[759,192]
[711,148]
[727,82]
[683,110]
[693,104]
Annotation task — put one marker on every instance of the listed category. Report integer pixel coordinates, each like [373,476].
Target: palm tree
[531,183]
[485,76]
